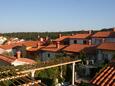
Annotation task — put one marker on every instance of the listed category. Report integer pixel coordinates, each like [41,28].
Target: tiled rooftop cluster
[99,46]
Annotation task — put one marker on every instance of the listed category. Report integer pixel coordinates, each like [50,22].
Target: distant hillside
[52,35]
[34,35]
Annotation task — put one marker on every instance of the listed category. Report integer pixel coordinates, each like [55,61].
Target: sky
[56,15]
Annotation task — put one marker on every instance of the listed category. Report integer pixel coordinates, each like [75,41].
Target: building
[106,51]
[75,50]
[103,36]
[79,38]
[50,51]
[82,38]
[62,39]
[5,60]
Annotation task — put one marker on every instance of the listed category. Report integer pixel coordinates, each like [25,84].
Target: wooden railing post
[73,73]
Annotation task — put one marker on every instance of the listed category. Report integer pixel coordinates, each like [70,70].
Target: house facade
[80,38]
[15,61]
[103,36]
[51,51]
[106,51]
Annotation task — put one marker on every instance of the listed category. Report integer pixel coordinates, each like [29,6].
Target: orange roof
[107,46]
[35,48]
[9,60]
[106,77]
[10,46]
[81,36]
[78,36]
[26,43]
[62,38]
[29,61]
[53,48]
[30,43]
[104,34]
[6,59]
[76,48]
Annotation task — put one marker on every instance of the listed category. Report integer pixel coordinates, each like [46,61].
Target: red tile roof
[104,34]
[30,43]
[62,38]
[107,46]
[106,77]
[81,36]
[35,48]
[9,60]
[53,48]
[26,43]
[10,46]
[77,48]
[29,61]
[78,36]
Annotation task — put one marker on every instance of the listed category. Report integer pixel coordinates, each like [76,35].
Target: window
[84,42]
[48,55]
[75,41]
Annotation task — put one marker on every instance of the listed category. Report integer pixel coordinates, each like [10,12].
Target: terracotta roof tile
[105,77]
[81,36]
[35,48]
[107,46]
[76,48]
[26,43]
[9,60]
[53,48]
[30,43]
[78,36]
[6,46]
[104,34]
[62,38]
[29,61]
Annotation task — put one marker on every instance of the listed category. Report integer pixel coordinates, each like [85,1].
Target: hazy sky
[55,15]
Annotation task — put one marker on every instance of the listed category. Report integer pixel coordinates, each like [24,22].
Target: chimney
[90,42]
[18,54]
[57,44]
[113,29]
[46,38]
[41,39]
[103,40]
[60,35]
[38,45]
[90,31]
[72,34]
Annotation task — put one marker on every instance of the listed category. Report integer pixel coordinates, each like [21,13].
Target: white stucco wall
[45,56]
[79,41]
[9,50]
[1,50]
[103,54]
[98,41]
[110,39]
[16,63]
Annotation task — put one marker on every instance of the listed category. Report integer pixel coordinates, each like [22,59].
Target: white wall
[103,54]
[9,50]
[16,63]
[110,39]
[45,55]
[79,41]
[98,41]
[1,50]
